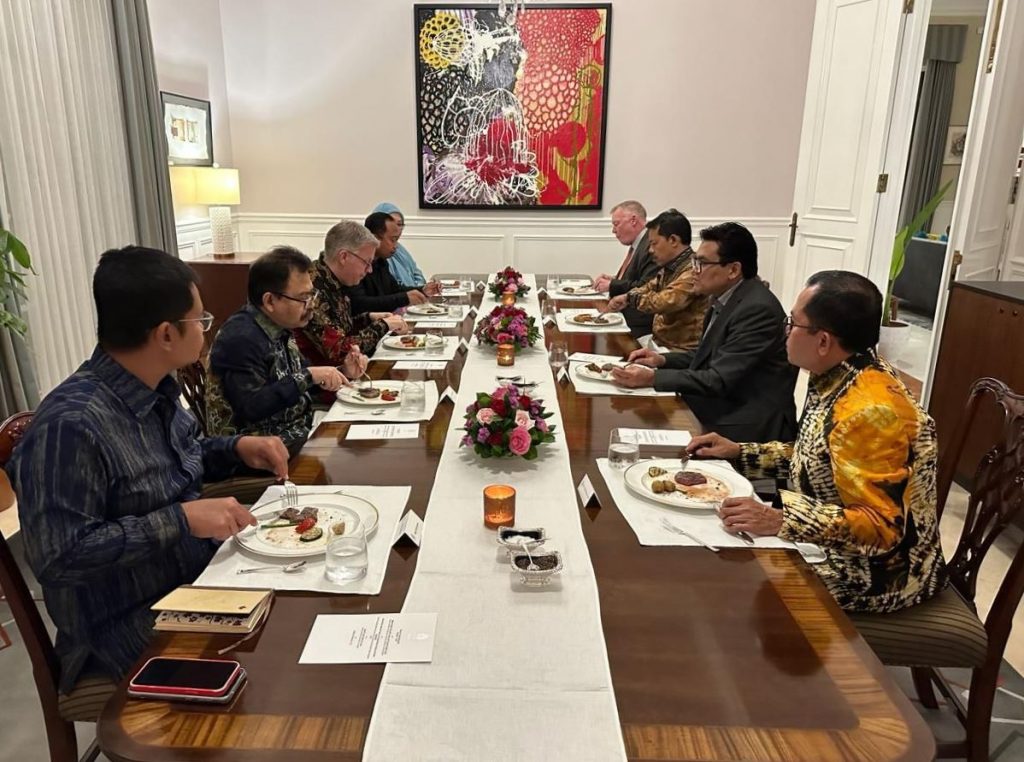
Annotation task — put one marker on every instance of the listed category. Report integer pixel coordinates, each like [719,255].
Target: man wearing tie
[629,226]
[738,379]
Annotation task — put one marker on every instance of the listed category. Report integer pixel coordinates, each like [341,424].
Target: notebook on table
[212,609]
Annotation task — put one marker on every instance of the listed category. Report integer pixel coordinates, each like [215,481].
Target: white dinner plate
[427,309]
[350,395]
[283,542]
[639,482]
[395,342]
[613,318]
[586,290]
[584,372]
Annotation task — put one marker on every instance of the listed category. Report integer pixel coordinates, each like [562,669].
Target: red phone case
[184,690]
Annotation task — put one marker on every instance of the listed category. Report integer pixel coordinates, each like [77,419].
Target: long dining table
[735,655]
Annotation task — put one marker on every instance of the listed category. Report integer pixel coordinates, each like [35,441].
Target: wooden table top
[714,656]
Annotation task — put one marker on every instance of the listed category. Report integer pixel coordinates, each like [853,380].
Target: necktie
[625,264]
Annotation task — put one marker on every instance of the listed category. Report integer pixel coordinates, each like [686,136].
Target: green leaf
[899,246]
[531,454]
[496,450]
[19,252]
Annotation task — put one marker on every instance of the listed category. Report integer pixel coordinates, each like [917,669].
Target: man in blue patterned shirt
[108,476]
[258,382]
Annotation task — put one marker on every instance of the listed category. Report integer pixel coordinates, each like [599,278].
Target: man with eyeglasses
[109,476]
[862,471]
[629,226]
[258,382]
[333,327]
[738,380]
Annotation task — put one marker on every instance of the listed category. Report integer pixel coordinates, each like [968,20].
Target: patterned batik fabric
[678,311]
[862,474]
[333,330]
[258,383]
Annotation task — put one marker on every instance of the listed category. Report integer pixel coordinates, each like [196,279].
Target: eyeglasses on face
[305,301]
[205,321]
[699,264]
[790,324]
[367,264]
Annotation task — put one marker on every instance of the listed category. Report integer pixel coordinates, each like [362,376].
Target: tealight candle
[499,506]
[506,354]
[507,300]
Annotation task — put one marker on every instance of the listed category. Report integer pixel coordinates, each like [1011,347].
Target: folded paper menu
[212,609]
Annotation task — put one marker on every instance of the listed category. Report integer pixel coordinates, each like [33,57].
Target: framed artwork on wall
[511,108]
[956,140]
[189,130]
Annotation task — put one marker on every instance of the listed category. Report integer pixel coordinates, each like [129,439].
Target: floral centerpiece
[505,423]
[507,325]
[508,281]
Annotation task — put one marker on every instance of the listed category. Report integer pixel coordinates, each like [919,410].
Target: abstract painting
[511,106]
[188,130]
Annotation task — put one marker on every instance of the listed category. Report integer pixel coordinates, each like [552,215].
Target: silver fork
[291,494]
[682,532]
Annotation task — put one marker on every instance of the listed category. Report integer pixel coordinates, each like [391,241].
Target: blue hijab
[402,265]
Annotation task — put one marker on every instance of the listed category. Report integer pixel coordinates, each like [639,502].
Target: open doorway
[948,75]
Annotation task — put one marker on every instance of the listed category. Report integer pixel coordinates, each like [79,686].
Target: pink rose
[510,288]
[485,415]
[519,441]
[523,420]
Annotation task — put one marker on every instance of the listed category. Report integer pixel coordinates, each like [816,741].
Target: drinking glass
[554,282]
[548,311]
[414,398]
[435,341]
[346,557]
[623,450]
[467,283]
[454,309]
[558,356]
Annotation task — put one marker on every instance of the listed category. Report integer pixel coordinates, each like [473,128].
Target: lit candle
[506,354]
[507,300]
[499,506]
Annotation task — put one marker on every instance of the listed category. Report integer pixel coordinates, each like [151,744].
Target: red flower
[524,402]
[498,406]
[496,438]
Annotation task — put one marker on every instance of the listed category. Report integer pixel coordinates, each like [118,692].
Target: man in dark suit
[629,226]
[738,378]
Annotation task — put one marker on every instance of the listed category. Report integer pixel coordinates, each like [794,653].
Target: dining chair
[11,432]
[60,732]
[946,630]
[192,379]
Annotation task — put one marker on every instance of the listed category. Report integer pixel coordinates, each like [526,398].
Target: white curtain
[65,165]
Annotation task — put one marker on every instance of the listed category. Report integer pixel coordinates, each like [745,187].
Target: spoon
[532,566]
[289,569]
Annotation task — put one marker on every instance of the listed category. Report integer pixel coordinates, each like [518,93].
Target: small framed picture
[956,139]
[189,130]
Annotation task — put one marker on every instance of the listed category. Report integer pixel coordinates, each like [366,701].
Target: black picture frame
[421,12]
[175,156]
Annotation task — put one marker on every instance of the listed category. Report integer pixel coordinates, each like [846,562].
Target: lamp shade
[217,186]
[183,185]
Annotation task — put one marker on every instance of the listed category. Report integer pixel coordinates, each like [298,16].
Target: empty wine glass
[558,356]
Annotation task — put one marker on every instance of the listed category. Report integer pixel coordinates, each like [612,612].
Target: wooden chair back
[192,379]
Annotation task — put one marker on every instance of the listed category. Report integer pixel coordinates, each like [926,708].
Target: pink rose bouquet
[506,423]
[508,281]
[507,325]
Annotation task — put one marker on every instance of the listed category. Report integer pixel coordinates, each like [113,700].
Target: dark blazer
[378,291]
[738,381]
[640,270]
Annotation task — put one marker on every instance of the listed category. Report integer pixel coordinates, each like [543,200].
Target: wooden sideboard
[223,284]
[982,335]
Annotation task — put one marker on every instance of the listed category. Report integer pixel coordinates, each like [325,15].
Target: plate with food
[697,484]
[597,319]
[303,530]
[578,290]
[427,309]
[593,371]
[377,395]
[408,342]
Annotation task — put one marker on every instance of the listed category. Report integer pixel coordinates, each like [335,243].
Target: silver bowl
[508,537]
[549,561]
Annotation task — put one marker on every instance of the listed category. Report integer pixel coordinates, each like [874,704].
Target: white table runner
[535,658]
[390,502]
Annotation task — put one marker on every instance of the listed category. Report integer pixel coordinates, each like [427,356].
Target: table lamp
[218,187]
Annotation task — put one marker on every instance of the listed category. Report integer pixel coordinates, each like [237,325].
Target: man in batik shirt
[862,469]
[332,329]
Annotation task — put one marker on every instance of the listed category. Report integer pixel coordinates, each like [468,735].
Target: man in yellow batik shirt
[669,296]
[862,470]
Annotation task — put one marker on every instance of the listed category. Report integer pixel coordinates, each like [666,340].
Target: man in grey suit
[738,378]
[629,226]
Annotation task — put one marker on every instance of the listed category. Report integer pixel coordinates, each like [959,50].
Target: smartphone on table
[184,679]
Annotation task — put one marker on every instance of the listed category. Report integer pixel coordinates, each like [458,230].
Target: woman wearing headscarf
[403,266]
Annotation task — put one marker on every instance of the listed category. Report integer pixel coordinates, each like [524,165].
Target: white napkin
[223,568]
[588,386]
[451,344]
[349,413]
[566,326]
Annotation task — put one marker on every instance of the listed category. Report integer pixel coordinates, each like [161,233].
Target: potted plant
[894,335]
[12,282]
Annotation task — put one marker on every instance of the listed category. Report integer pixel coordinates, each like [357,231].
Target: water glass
[548,311]
[554,282]
[467,283]
[623,450]
[558,355]
[414,398]
[435,341]
[346,558]
[454,310]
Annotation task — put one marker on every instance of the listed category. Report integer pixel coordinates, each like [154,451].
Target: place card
[563,375]
[370,639]
[384,431]
[463,343]
[550,320]
[585,357]
[420,365]
[588,497]
[657,437]
[450,394]
[411,527]
[472,312]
